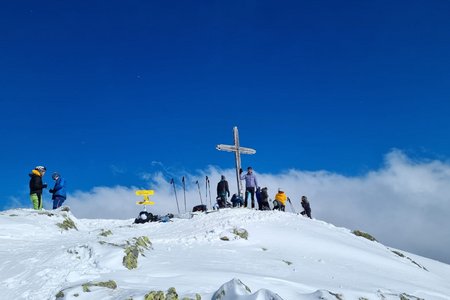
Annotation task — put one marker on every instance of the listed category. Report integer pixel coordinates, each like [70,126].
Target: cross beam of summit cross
[237,149]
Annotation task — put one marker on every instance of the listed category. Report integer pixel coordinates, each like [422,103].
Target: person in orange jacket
[280,200]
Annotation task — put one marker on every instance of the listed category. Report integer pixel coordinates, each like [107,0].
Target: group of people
[252,189]
[223,192]
[37,186]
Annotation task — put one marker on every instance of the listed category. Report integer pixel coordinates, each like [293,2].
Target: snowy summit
[231,254]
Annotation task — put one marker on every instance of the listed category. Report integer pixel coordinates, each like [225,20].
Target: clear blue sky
[98,90]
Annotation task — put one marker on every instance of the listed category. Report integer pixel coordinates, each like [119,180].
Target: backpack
[144,217]
[201,207]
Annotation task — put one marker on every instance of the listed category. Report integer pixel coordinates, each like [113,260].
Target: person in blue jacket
[58,191]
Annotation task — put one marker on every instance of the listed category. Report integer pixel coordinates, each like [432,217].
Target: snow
[286,256]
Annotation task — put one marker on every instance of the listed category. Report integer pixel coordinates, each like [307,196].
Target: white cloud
[404,204]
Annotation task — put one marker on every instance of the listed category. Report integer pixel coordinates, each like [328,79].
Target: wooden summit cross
[237,154]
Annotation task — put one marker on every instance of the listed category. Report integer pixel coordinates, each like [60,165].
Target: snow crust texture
[231,254]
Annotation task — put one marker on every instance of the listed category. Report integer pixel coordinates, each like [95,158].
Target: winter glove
[51,191]
[240,170]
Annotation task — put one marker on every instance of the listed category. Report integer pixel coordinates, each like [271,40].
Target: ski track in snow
[285,254]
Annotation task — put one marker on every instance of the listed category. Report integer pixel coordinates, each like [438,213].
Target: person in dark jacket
[237,201]
[264,199]
[58,191]
[36,186]
[223,192]
[251,184]
[306,207]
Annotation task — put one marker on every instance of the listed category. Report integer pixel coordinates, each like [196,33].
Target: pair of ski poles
[208,188]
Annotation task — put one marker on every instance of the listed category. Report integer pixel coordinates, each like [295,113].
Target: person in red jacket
[36,186]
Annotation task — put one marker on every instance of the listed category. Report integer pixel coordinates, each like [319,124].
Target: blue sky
[102,91]
[89,89]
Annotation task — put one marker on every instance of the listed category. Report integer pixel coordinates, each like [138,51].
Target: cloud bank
[405,204]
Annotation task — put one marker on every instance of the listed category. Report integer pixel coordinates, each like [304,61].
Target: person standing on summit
[251,184]
[36,186]
[58,191]
[223,192]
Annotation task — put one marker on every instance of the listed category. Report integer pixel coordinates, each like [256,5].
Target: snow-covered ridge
[54,255]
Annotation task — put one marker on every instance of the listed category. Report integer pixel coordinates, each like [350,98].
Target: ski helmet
[41,168]
[55,176]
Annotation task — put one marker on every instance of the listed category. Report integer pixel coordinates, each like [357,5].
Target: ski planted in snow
[292,206]
[199,192]
[175,192]
[208,187]
[184,192]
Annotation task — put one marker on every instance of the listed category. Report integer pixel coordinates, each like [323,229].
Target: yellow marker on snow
[145,194]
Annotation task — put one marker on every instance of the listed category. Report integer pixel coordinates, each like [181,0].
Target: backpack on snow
[201,207]
[144,217]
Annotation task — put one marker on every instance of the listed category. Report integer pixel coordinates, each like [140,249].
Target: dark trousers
[307,212]
[277,205]
[250,190]
[221,203]
[58,201]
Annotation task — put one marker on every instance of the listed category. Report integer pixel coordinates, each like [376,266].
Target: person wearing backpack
[223,192]
[36,186]
[58,191]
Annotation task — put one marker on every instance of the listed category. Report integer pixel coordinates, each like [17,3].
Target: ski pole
[175,191]
[198,185]
[184,192]
[292,206]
